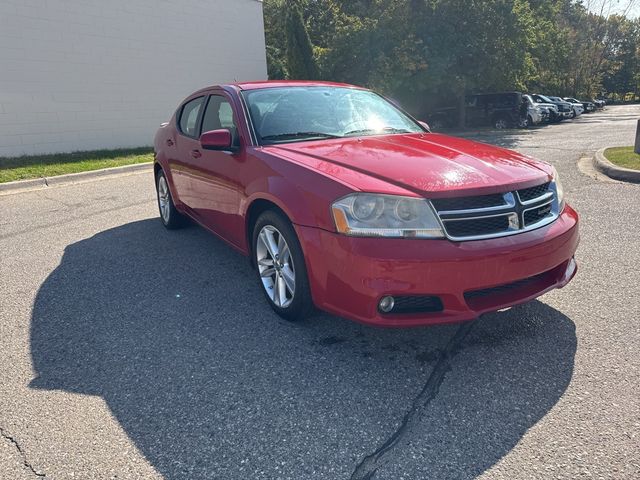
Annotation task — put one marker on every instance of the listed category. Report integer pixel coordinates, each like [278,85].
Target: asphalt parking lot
[127,351]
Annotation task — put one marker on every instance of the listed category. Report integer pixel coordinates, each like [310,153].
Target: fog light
[386,304]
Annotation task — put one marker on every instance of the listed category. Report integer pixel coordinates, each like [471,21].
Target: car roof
[289,83]
[256,85]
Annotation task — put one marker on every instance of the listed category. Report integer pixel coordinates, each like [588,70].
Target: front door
[216,174]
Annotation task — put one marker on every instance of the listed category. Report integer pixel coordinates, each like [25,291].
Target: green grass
[22,168]
[623,157]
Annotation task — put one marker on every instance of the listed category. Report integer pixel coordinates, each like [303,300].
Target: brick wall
[88,74]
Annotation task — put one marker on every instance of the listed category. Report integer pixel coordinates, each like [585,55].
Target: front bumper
[348,276]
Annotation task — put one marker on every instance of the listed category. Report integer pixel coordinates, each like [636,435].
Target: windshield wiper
[299,135]
[376,130]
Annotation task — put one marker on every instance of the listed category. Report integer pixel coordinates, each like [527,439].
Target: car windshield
[544,99]
[294,114]
[556,99]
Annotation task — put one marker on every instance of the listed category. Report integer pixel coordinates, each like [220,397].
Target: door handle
[170,143]
[196,153]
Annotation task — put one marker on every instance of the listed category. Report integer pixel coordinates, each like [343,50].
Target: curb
[613,171]
[73,177]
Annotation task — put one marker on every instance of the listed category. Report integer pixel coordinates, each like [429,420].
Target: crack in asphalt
[368,467]
[26,463]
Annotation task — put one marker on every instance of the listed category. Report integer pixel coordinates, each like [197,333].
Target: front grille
[537,214]
[464,203]
[529,194]
[478,226]
[489,216]
[416,304]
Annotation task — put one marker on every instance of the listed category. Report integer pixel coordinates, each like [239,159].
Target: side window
[189,117]
[219,114]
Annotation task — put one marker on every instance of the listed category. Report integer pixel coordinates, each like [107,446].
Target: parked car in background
[536,113]
[344,202]
[578,108]
[499,110]
[587,106]
[565,109]
[575,110]
[553,114]
[600,103]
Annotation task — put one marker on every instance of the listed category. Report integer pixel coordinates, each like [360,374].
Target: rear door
[186,143]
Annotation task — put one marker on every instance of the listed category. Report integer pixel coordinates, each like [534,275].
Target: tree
[428,52]
[301,63]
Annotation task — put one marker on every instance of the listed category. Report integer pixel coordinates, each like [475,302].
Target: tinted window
[542,99]
[189,116]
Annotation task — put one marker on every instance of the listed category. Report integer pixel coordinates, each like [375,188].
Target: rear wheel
[281,267]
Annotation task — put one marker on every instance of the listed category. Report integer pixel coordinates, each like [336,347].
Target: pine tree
[301,64]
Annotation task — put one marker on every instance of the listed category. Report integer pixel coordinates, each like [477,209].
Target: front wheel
[281,267]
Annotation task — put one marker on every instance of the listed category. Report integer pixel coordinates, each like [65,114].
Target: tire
[290,300]
[573,114]
[501,123]
[169,215]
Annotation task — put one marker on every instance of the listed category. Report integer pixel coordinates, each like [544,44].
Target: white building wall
[88,74]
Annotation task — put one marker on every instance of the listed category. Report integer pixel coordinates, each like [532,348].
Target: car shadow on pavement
[172,331]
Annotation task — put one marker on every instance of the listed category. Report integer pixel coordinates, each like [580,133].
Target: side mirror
[425,125]
[216,140]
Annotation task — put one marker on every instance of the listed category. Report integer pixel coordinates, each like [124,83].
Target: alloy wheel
[276,267]
[164,199]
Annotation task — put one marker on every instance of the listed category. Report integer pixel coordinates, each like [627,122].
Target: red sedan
[346,203]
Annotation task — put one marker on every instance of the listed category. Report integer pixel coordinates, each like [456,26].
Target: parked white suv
[535,113]
[578,107]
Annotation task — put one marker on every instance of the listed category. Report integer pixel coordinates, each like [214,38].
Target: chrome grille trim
[546,196]
[514,209]
[509,202]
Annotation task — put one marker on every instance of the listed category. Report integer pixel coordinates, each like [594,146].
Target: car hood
[426,164]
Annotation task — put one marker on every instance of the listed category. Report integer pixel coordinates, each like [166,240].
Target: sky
[618,6]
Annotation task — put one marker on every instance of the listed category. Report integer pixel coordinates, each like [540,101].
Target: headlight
[372,215]
[557,184]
